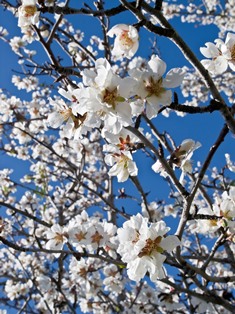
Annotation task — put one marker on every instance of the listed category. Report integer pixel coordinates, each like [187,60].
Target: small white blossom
[152,88]
[122,165]
[181,157]
[28,13]
[230,164]
[222,55]
[57,237]
[106,95]
[127,41]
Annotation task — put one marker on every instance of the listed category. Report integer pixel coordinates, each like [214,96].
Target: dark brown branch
[76,254]
[161,31]
[72,11]
[213,106]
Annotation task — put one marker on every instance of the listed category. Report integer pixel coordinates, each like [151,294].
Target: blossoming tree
[110,212]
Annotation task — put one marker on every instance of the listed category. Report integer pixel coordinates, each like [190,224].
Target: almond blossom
[106,95]
[74,123]
[57,237]
[28,13]
[180,157]
[222,55]
[126,42]
[152,88]
[228,50]
[122,165]
[142,246]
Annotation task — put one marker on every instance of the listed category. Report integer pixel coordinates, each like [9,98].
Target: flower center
[124,144]
[151,246]
[154,87]
[110,97]
[66,113]
[233,52]
[96,237]
[78,120]
[122,159]
[29,10]
[126,40]
[80,236]
[59,237]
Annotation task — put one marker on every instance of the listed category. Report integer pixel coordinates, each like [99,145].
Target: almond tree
[107,204]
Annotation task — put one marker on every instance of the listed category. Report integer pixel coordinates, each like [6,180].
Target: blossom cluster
[142,247]
[105,99]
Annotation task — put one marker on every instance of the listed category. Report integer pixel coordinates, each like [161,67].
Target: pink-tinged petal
[157,66]
[126,42]
[174,78]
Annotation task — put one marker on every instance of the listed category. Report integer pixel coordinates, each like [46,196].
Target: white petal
[174,78]
[211,51]
[157,66]
[55,119]
[132,168]
[117,29]
[170,243]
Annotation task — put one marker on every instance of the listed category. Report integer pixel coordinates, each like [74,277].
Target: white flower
[181,157]
[127,41]
[57,238]
[221,54]
[183,153]
[141,247]
[28,13]
[153,88]
[3,32]
[61,114]
[122,165]
[75,123]
[107,95]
